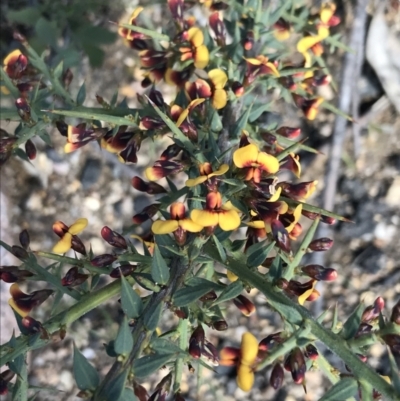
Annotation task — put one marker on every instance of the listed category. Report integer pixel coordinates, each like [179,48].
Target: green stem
[298,315]
[183,342]
[83,306]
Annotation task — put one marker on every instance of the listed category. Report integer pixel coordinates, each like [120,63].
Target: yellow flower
[248,356]
[201,55]
[178,220]
[216,214]
[219,79]
[66,233]
[255,162]
[206,173]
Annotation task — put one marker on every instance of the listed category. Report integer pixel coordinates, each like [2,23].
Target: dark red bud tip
[311,352]
[395,316]
[244,305]
[194,349]
[237,89]
[113,238]
[5,378]
[318,272]
[123,270]
[276,378]
[103,260]
[321,244]
[30,150]
[288,132]
[220,325]
[24,239]
[297,366]
[210,296]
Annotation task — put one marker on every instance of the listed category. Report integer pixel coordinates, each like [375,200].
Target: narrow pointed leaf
[231,291]
[124,342]
[131,302]
[150,363]
[159,268]
[220,248]
[352,324]
[257,253]
[85,374]
[81,96]
[342,390]
[114,388]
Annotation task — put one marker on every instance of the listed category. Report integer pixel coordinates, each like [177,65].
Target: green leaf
[163,346]
[85,374]
[256,112]
[46,32]
[108,116]
[123,344]
[352,324]
[187,295]
[394,372]
[220,248]
[128,395]
[241,123]
[135,257]
[26,15]
[342,390]
[114,389]
[231,291]
[152,317]
[257,253]
[148,364]
[81,96]
[6,81]
[159,268]
[95,35]
[147,32]
[131,302]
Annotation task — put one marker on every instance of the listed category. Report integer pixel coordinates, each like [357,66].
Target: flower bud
[77,245]
[122,270]
[297,365]
[5,377]
[270,341]
[244,305]
[320,245]
[196,342]
[237,89]
[210,352]
[152,188]
[19,252]
[62,127]
[311,352]
[364,328]
[276,378]
[67,78]
[220,325]
[73,277]
[249,40]
[372,312]
[24,239]
[210,296]
[33,326]
[395,316]
[280,235]
[103,260]
[156,97]
[30,149]
[23,109]
[393,342]
[288,132]
[113,238]
[151,123]
[319,273]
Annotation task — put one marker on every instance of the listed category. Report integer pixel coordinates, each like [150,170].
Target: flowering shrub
[231,215]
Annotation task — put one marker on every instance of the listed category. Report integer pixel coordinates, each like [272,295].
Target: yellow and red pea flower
[177,7]
[215,213]
[135,40]
[259,66]
[147,240]
[296,365]
[80,136]
[282,30]
[179,224]
[299,192]
[146,214]
[218,27]
[255,162]
[15,64]
[310,107]
[206,174]
[292,163]
[198,50]
[68,235]
[163,168]
[244,305]
[23,303]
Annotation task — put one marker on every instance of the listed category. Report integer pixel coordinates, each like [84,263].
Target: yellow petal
[229,220]
[273,69]
[256,224]
[231,276]
[182,117]
[222,170]
[135,13]
[13,55]
[229,206]
[276,195]
[249,349]
[323,33]
[150,174]
[245,156]
[20,312]
[219,99]
[306,43]
[297,215]
[194,103]
[302,298]
[164,226]
[218,78]
[192,182]
[327,11]
[253,61]
[245,377]
[190,225]
[268,163]
[201,57]
[281,35]
[195,36]
[78,226]
[307,62]
[64,245]
[204,218]
[4,90]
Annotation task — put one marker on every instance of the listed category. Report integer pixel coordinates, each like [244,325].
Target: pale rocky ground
[92,183]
